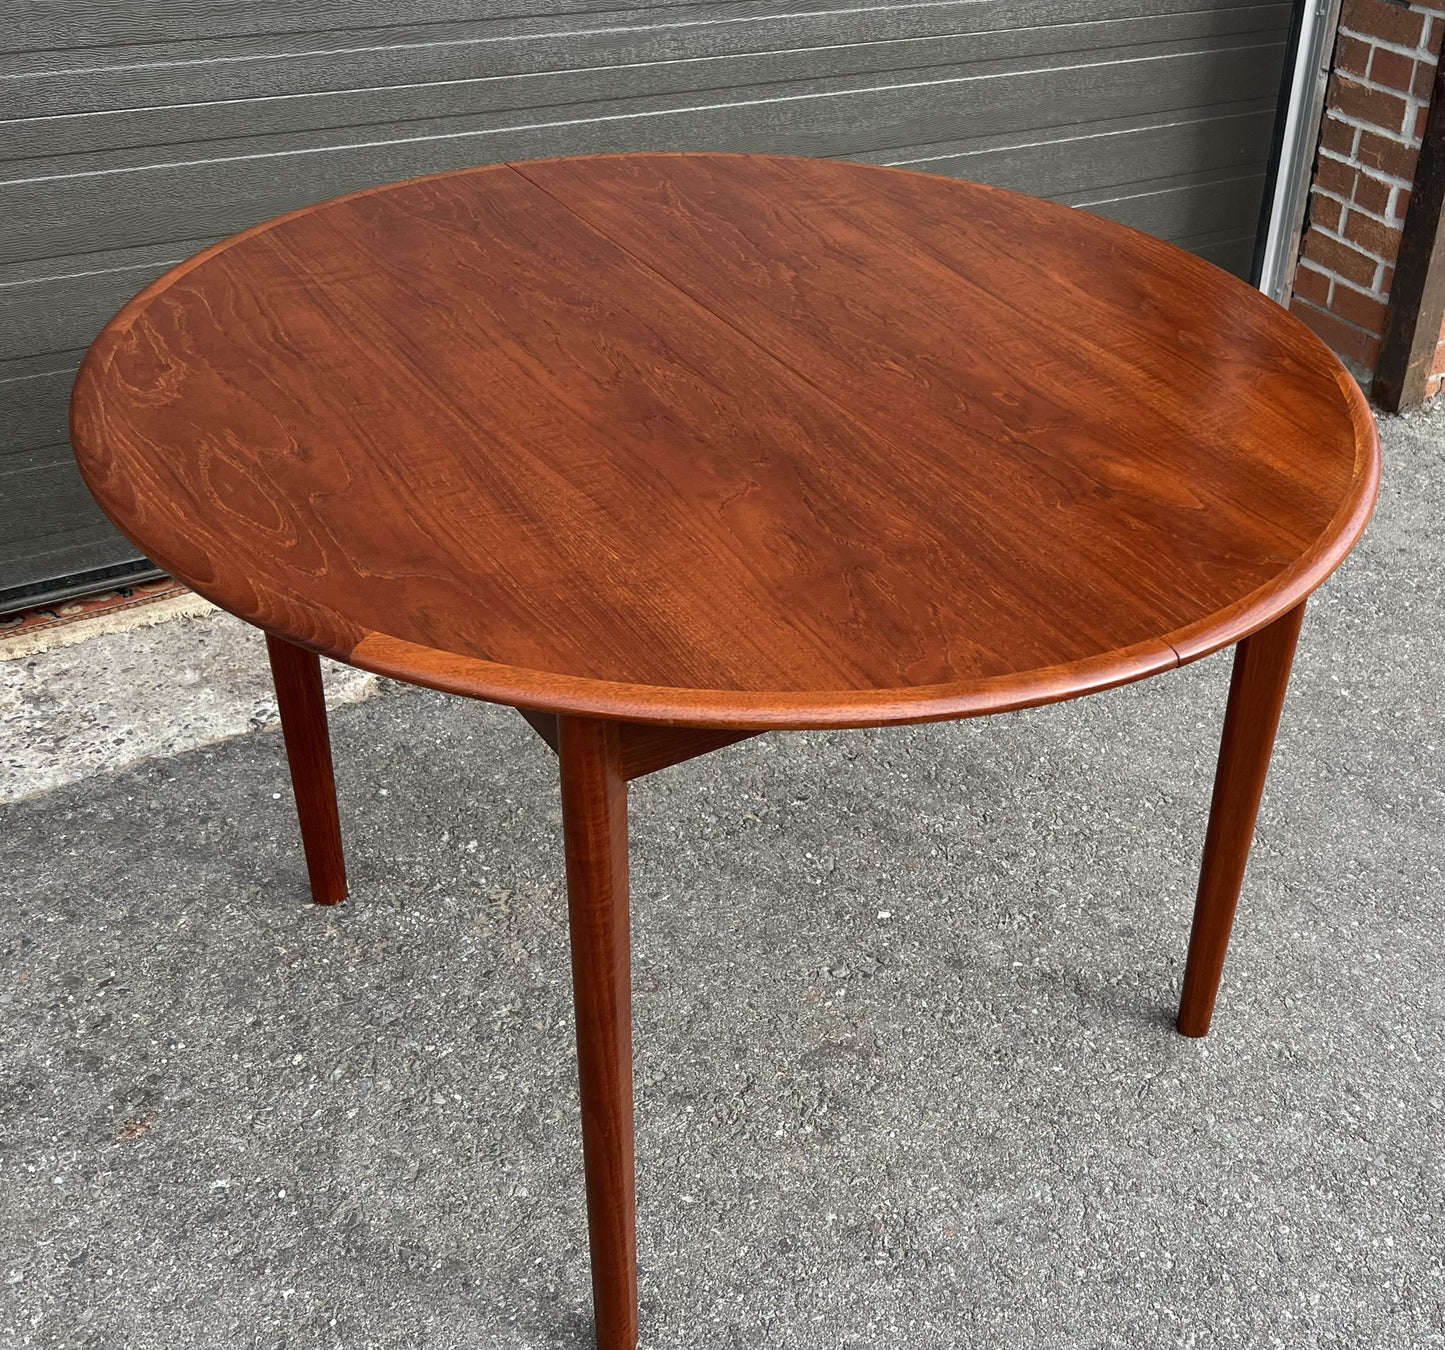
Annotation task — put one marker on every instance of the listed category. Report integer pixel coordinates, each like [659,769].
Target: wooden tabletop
[724,440]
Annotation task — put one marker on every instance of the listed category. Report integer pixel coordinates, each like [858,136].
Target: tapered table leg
[594,821]
[299,695]
[1256,695]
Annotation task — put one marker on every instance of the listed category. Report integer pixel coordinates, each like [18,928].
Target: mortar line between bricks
[1366,82]
[1354,162]
[1420,53]
[1351,204]
[1358,248]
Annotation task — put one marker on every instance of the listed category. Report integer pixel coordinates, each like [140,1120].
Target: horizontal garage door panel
[48,532]
[33,408]
[68,550]
[61,309]
[307,92]
[170,30]
[1058,161]
[32,484]
[60,313]
[131,136]
[75,203]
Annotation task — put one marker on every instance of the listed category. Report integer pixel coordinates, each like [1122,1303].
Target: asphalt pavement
[906,1069]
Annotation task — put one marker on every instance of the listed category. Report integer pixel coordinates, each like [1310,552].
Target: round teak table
[666,450]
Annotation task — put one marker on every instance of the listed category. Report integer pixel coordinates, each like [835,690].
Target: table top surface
[726,440]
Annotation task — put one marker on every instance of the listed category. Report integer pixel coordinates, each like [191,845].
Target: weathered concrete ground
[905,1069]
[119,698]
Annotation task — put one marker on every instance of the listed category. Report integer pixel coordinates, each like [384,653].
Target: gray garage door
[133,134]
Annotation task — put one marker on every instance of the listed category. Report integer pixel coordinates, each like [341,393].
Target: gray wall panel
[44,25]
[74,25]
[60,312]
[132,135]
[74,547]
[186,191]
[34,486]
[320,91]
[1062,162]
[1233,254]
[34,409]
[1168,211]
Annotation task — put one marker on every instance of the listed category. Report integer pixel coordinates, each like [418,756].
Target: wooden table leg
[594,821]
[299,695]
[1256,695]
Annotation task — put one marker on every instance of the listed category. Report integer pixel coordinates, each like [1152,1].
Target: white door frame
[1313,30]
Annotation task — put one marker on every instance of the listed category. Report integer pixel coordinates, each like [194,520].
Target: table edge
[413,663]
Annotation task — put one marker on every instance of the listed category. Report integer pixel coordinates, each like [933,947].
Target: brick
[1435,38]
[1344,337]
[1387,281]
[1372,194]
[1424,84]
[1339,258]
[1387,67]
[1389,156]
[1367,311]
[1338,136]
[1386,111]
[1325,212]
[1394,23]
[1379,239]
[1402,203]
[1313,285]
[1421,117]
[1333,175]
[1352,55]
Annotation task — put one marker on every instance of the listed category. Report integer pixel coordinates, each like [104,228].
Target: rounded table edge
[751,710]
[331,635]
[1312,568]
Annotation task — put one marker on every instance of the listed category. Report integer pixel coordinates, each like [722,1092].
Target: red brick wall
[1384,69]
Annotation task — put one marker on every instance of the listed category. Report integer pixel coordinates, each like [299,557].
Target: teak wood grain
[646,749]
[301,701]
[726,441]
[1257,687]
[666,450]
[594,818]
